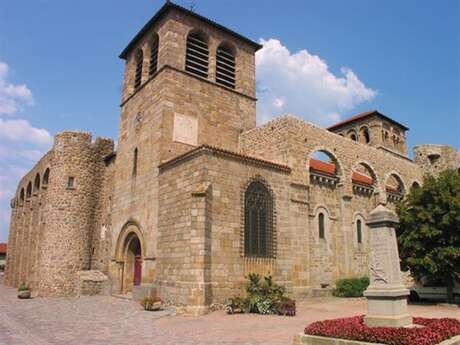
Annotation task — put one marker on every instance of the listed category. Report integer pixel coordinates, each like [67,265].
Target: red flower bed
[353,328]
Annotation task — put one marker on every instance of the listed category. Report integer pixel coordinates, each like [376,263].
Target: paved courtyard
[112,321]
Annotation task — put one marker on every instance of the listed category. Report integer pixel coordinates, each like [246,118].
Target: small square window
[70,182]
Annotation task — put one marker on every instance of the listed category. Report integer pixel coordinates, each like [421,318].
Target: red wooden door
[137,270]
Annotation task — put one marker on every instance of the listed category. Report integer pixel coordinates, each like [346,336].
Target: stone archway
[132,263]
[130,256]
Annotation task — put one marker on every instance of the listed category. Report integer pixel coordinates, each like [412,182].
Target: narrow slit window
[70,182]
[197,55]
[359,231]
[135,162]
[153,66]
[225,66]
[321,225]
[139,63]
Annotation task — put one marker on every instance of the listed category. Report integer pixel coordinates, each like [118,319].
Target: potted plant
[151,304]
[23,292]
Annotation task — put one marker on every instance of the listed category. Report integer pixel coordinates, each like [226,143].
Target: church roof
[3,248]
[224,153]
[168,6]
[363,116]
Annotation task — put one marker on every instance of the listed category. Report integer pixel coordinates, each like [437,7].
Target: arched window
[363,180]
[258,221]
[415,185]
[353,137]
[197,54]
[37,183]
[364,136]
[29,190]
[153,66]
[394,187]
[135,162]
[359,231]
[225,65]
[139,63]
[321,226]
[46,177]
[324,169]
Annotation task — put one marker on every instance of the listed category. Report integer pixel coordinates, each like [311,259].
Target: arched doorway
[132,270]
[130,254]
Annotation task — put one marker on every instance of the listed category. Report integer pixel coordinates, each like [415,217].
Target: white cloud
[21,130]
[278,102]
[21,144]
[12,97]
[302,84]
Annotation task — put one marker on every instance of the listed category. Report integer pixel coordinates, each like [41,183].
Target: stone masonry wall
[147,123]
[101,232]
[292,141]
[434,159]
[219,179]
[53,224]
[72,210]
[29,207]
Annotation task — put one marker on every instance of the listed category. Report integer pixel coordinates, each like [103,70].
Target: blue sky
[323,60]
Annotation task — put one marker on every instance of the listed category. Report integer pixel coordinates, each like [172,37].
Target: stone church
[196,196]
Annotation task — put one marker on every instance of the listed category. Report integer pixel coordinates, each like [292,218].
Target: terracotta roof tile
[323,167]
[362,116]
[3,248]
[363,179]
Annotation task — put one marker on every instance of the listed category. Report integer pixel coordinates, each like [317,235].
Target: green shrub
[23,287]
[2,268]
[263,297]
[351,287]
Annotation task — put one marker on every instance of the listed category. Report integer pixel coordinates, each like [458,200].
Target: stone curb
[303,339]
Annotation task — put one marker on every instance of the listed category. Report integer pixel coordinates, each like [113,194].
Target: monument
[386,294]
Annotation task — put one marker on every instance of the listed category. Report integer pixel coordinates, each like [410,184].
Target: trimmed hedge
[353,328]
[351,287]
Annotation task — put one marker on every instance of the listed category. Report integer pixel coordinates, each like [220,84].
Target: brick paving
[105,320]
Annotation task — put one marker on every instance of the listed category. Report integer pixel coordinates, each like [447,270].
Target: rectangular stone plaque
[185,129]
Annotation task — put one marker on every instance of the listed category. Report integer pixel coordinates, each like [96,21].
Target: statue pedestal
[387,308]
[386,294]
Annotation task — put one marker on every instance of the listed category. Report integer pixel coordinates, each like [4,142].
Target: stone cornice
[166,66]
[222,153]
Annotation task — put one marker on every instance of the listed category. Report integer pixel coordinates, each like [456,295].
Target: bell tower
[190,80]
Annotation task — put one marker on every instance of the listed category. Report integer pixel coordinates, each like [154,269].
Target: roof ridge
[171,5]
[206,147]
[363,115]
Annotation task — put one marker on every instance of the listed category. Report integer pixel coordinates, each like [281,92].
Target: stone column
[199,292]
[386,294]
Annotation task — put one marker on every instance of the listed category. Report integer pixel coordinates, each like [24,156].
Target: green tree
[429,230]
